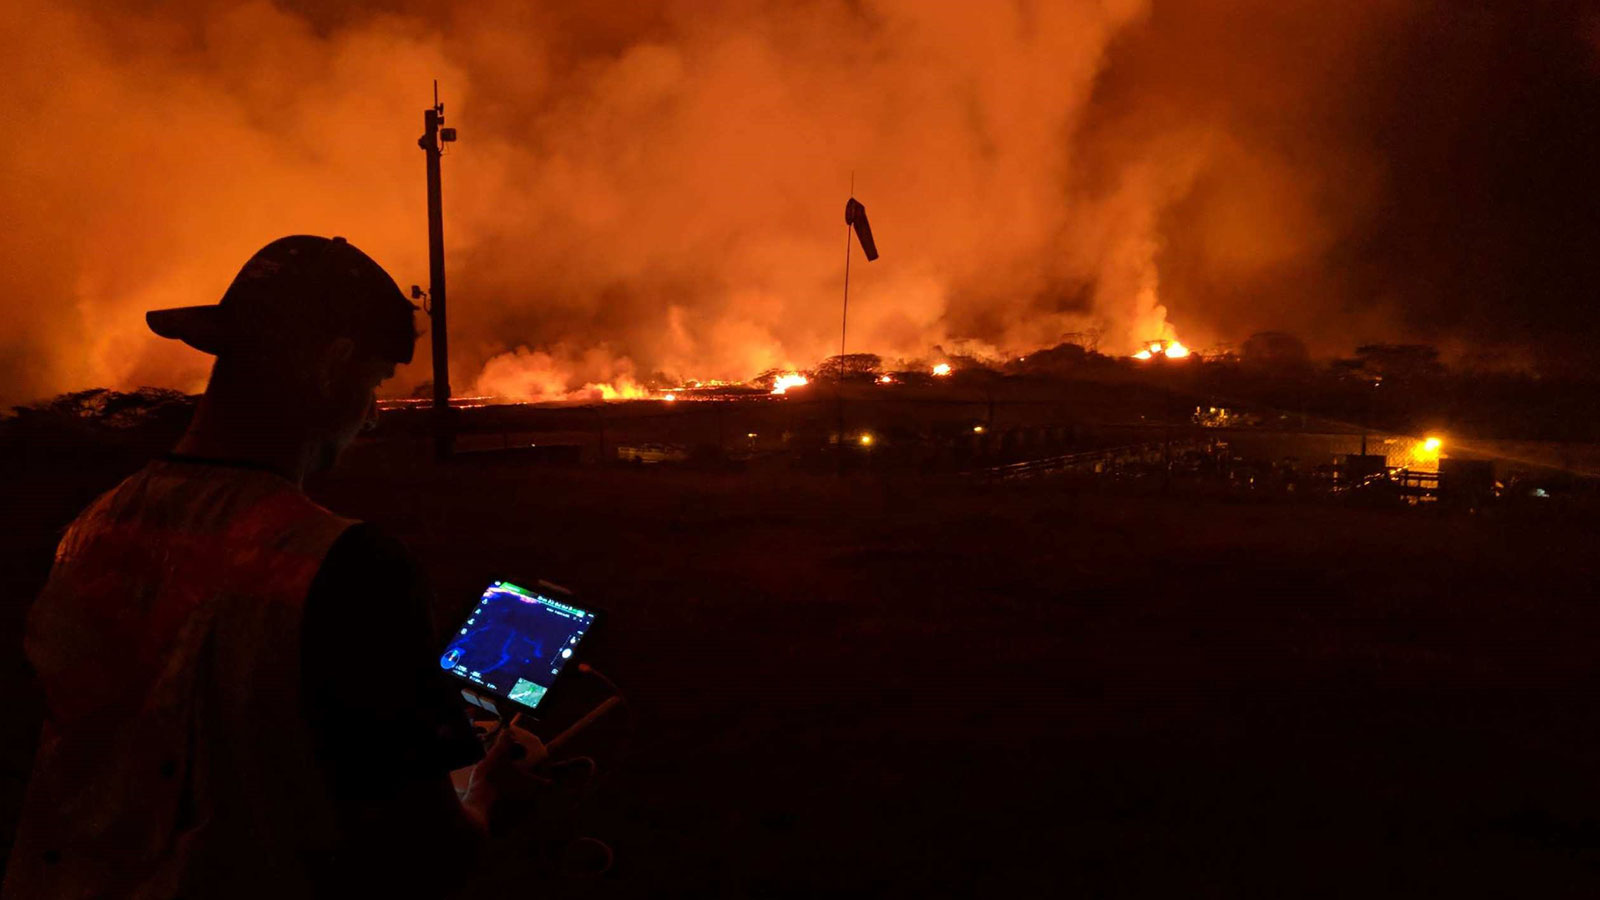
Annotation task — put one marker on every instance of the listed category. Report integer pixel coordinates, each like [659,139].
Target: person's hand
[503,786]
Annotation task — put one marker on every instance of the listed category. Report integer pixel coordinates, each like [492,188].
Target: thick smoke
[656,190]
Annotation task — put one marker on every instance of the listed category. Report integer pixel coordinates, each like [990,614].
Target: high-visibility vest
[176,760]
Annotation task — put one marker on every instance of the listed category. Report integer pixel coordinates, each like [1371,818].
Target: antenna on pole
[433,138]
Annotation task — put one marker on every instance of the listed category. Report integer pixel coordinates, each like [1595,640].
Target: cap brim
[201,327]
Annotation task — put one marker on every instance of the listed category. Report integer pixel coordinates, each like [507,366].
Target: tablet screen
[515,643]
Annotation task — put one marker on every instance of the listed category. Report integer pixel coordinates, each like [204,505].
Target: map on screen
[515,643]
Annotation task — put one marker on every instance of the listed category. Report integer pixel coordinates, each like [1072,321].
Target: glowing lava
[787,380]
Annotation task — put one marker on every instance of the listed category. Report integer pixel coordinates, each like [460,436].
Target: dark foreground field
[928,687]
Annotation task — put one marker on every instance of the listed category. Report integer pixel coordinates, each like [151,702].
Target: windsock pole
[844,322]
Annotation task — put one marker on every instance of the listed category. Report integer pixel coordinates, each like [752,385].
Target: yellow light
[942,369]
[885,379]
[866,440]
[1176,350]
[751,435]
[1155,347]
[1432,445]
[670,397]
[1142,354]
[977,429]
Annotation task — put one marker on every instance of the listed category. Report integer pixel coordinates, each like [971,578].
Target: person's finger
[499,749]
[532,749]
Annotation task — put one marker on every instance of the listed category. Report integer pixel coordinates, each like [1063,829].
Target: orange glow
[885,379]
[1176,350]
[942,369]
[1142,354]
[866,440]
[789,380]
[684,249]
[669,396]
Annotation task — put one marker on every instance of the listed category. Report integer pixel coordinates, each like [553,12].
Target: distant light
[866,440]
[1176,350]
[751,435]
[1155,347]
[1432,445]
[886,379]
[942,369]
[670,397]
[1142,354]
[977,429]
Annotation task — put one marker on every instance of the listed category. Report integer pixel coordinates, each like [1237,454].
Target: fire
[1172,349]
[669,396]
[625,389]
[886,379]
[787,380]
[866,440]
[941,369]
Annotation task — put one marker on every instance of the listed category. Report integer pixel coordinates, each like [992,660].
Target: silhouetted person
[242,692]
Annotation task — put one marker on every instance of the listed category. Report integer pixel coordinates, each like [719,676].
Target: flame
[669,396]
[866,440]
[624,389]
[886,379]
[787,380]
[1171,349]
[941,369]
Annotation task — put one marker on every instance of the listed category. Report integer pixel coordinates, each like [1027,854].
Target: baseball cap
[298,287]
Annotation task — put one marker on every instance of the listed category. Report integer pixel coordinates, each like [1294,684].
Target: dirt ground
[923,686]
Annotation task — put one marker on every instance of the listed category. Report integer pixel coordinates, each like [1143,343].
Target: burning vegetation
[1163,349]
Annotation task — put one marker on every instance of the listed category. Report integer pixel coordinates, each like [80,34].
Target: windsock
[856,215]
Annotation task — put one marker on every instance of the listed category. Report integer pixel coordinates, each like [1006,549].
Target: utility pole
[433,138]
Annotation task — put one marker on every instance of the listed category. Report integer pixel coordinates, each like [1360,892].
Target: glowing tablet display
[516,642]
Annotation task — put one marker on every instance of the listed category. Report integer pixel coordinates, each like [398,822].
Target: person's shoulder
[102,513]
[368,585]
[367,561]
[364,542]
